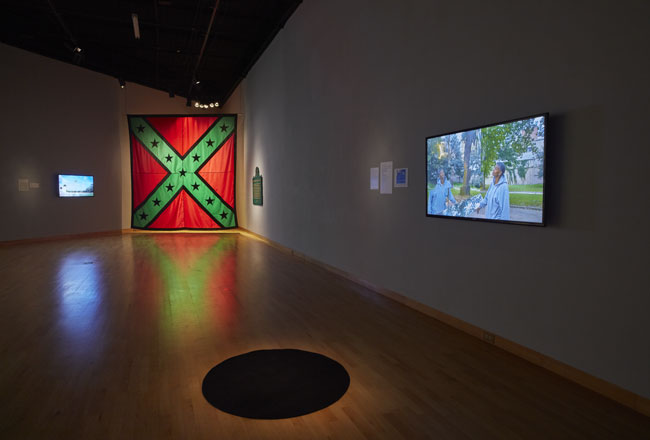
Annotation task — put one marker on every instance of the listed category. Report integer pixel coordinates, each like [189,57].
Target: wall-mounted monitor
[494,172]
[71,185]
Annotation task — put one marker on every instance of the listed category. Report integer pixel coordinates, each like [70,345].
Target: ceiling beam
[205,40]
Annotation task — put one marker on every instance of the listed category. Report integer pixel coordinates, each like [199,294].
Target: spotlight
[216,104]
[211,104]
[122,83]
[196,104]
[77,56]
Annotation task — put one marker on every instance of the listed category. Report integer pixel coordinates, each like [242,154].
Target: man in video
[497,198]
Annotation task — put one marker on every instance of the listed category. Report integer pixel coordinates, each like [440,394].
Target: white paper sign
[374,178]
[23,184]
[386,178]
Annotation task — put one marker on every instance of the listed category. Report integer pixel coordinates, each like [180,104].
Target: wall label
[257,188]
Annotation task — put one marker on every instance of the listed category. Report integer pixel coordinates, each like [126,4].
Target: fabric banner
[183,171]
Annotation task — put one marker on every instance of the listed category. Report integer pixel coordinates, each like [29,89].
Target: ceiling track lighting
[209,105]
[77,56]
[122,83]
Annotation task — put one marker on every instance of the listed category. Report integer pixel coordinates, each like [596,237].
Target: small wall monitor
[493,173]
[72,185]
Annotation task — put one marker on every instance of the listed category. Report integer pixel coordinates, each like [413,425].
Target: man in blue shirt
[439,195]
[497,198]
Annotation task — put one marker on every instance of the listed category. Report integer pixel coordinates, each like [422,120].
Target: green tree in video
[507,142]
[469,138]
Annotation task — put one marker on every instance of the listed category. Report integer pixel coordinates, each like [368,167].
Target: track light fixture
[77,56]
[210,105]
[122,83]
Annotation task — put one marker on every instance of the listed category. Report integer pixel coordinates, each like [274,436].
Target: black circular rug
[275,384]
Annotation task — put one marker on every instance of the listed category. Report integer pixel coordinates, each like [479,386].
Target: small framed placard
[257,188]
[401,177]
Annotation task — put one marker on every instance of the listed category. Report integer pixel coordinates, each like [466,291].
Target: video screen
[493,173]
[75,186]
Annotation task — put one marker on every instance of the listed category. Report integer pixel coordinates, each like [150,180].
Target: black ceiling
[172,33]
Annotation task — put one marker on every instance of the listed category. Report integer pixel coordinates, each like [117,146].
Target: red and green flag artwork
[183,171]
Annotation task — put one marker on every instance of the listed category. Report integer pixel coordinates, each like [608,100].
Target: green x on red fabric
[183,171]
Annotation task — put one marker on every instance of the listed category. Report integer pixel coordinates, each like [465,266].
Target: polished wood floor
[110,337]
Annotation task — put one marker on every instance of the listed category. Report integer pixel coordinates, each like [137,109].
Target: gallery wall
[56,118]
[61,118]
[347,85]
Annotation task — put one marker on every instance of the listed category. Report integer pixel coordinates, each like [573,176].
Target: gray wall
[60,118]
[56,118]
[348,84]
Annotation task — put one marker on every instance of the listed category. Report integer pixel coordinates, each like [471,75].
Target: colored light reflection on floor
[197,274]
[80,289]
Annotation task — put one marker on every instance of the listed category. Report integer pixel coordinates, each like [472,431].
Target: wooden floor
[111,337]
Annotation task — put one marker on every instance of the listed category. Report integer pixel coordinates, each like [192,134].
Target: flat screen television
[71,185]
[492,173]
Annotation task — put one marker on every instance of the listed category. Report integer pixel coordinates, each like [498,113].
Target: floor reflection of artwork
[81,289]
[197,283]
